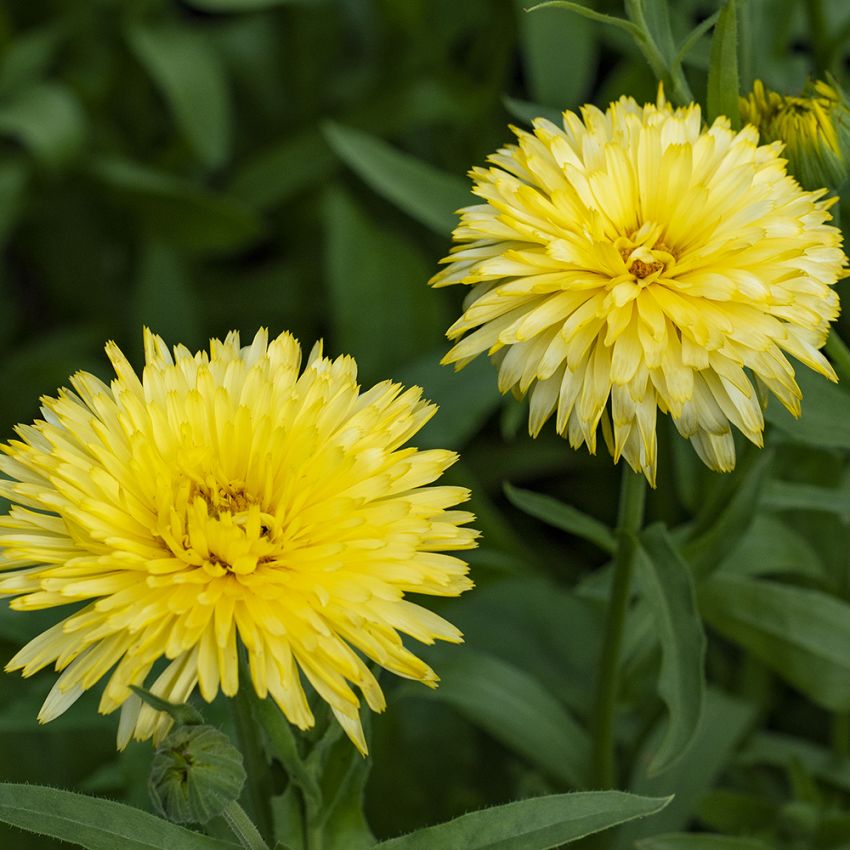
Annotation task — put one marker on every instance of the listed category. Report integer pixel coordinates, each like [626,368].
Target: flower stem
[243,828]
[838,352]
[629,521]
[256,766]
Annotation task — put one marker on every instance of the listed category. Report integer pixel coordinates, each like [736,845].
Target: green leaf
[801,634]
[683,841]
[724,722]
[182,713]
[179,211]
[277,173]
[225,6]
[190,76]
[94,823]
[380,306]
[536,824]
[424,192]
[559,55]
[163,299]
[723,83]
[772,547]
[798,496]
[48,120]
[513,707]
[782,751]
[560,515]
[727,514]
[466,398]
[825,420]
[526,111]
[667,585]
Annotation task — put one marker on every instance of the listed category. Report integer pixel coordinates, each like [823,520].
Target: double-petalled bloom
[633,260]
[224,498]
[813,126]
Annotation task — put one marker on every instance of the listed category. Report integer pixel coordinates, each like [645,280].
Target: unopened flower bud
[196,772]
[814,126]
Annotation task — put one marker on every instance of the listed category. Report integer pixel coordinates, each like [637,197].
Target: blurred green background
[206,165]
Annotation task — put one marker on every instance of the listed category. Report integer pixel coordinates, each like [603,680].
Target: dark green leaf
[245,5]
[772,547]
[668,587]
[47,119]
[182,713]
[526,111]
[427,194]
[796,496]
[515,708]
[188,71]
[682,841]
[94,823]
[723,84]
[562,516]
[559,55]
[723,724]
[801,634]
[181,212]
[825,420]
[381,310]
[725,518]
[537,824]
[279,172]
[163,299]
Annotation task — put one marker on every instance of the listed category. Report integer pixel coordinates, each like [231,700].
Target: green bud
[196,772]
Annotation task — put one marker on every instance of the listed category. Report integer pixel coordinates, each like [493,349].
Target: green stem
[629,521]
[256,766]
[680,91]
[315,834]
[243,828]
[838,352]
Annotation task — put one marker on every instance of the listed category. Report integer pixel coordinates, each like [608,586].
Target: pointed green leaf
[798,496]
[724,722]
[668,587]
[825,420]
[723,83]
[536,824]
[371,265]
[180,211]
[188,72]
[526,111]
[562,516]
[513,707]
[48,120]
[94,823]
[182,713]
[799,633]
[427,194]
[726,516]
[559,55]
[684,841]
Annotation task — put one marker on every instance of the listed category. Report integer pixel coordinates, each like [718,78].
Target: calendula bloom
[633,261]
[226,498]
[815,128]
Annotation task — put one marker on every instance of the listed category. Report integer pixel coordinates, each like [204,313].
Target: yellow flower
[815,128]
[225,498]
[633,261]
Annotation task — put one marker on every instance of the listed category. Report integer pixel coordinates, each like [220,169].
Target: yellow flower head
[814,127]
[633,261]
[225,497]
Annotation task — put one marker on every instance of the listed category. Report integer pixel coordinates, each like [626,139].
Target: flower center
[644,256]
[220,528]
